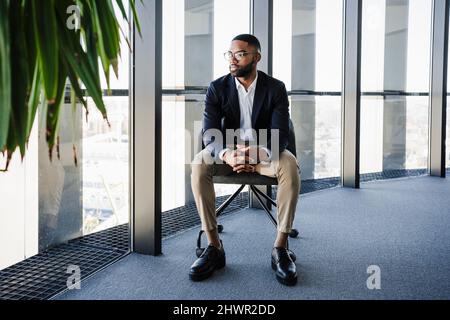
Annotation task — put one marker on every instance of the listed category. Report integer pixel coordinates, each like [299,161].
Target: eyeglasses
[237,55]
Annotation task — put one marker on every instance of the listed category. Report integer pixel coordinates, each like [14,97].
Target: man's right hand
[239,161]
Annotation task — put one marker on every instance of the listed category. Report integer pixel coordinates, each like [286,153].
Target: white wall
[19,206]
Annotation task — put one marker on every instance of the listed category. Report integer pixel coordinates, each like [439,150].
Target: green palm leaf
[20,77]
[5,73]
[46,34]
[37,43]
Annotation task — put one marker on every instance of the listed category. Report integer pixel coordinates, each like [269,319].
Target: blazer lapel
[260,94]
[234,101]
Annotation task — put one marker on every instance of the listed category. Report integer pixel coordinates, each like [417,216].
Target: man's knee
[288,163]
[200,166]
[288,168]
[203,157]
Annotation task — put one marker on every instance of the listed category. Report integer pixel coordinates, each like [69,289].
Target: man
[246,100]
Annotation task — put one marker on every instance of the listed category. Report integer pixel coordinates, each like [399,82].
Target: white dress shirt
[246,98]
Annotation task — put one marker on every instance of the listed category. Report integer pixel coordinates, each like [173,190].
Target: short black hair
[250,39]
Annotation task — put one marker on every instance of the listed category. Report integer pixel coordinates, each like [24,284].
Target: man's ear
[258,57]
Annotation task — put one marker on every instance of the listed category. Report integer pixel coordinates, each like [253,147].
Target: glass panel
[195,35]
[60,182]
[307,52]
[105,159]
[407,146]
[174,112]
[93,195]
[308,56]
[181,124]
[317,123]
[396,45]
[395,57]
[105,166]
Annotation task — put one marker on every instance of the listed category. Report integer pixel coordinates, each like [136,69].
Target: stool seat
[248,178]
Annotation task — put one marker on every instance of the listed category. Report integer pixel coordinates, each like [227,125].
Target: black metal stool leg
[225,204]
[256,190]
[261,202]
[258,193]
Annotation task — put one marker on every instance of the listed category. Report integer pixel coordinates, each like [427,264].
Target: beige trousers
[285,169]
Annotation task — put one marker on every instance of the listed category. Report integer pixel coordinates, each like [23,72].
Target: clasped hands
[241,159]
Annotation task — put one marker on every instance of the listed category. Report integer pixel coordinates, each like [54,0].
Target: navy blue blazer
[270,111]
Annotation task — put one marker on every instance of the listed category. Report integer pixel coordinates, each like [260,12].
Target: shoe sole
[206,275]
[286,282]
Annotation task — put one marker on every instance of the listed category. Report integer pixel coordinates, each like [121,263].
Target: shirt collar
[250,88]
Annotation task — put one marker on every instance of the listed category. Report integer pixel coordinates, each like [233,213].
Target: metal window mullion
[438,88]
[145,124]
[261,26]
[351,93]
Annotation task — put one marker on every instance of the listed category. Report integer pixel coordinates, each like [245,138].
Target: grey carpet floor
[402,226]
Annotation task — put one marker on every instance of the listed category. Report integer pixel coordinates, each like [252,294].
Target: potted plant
[43,45]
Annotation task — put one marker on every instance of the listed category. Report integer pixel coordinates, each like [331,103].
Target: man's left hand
[253,152]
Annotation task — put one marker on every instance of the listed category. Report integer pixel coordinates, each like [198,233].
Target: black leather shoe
[211,259]
[284,267]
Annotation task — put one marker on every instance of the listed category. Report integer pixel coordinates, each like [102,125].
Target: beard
[243,71]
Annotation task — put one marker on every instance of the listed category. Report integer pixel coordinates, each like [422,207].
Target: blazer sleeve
[212,120]
[280,117]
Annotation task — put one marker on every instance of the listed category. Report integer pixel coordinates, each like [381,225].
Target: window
[395,67]
[195,35]
[307,57]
